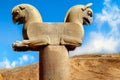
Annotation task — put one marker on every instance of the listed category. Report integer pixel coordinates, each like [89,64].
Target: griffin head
[18,14]
[24,12]
[81,14]
[88,14]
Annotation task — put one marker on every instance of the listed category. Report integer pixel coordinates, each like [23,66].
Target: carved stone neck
[32,18]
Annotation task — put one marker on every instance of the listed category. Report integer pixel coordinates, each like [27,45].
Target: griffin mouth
[20,20]
[86,21]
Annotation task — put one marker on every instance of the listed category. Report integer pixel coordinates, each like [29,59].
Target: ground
[83,67]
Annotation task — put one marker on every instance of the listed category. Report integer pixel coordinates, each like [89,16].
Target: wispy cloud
[6,63]
[22,59]
[25,58]
[98,41]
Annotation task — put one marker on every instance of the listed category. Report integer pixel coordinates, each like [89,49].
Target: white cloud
[107,3]
[110,15]
[6,63]
[99,42]
[25,57]
[13,64]
[22,59]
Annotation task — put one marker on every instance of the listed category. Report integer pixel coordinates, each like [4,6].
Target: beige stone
[36,33]
[54,63]
[53,40]
[80,14]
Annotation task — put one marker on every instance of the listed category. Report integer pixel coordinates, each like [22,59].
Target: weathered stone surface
[55,63]
[37,34]
[41,34]
[80,14]
[53,40]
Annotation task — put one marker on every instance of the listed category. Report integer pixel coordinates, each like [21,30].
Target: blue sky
[102,36]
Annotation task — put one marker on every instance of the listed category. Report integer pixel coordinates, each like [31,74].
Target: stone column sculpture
[52,40]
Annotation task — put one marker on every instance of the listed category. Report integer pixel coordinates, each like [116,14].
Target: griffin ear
[86,6]
[89,4]
[22,8]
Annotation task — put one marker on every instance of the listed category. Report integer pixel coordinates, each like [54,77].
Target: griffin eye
[89,13]
[15,13]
